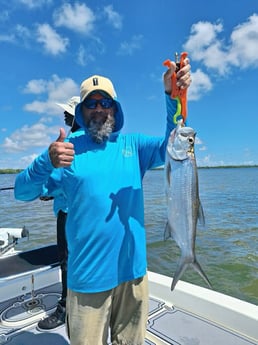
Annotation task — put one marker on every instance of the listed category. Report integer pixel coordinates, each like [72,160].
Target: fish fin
[197,268]
[181,267]
[167,232]
[167,172]
[201,217]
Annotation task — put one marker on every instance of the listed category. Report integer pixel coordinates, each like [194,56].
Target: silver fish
[183,202]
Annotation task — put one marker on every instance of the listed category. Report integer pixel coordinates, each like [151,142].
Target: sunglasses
[105,103]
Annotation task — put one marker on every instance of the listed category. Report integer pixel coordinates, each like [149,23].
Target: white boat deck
[28,296]
[19,317]
[176,326]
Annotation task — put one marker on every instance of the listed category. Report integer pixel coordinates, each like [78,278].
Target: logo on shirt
[127,152]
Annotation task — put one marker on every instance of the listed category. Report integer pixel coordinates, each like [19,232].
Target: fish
[184,207]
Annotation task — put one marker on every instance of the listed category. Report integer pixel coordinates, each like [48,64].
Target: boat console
[9,238]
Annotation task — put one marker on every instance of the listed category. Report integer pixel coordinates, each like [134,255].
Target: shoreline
[16,171]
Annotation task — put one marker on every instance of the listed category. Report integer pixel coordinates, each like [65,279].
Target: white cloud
[244,49]
[77,17]
[53,91]
[198,141]
[201,84]
[81,56]
[37,135]
[51,40]
[26,160]
[114,17]
[204,44]
[84,57]
[201,146]
[206,161]
[42,107]
[128,48]
[7,38]
[35,3]
[22,32]
[202,35]
[36,86]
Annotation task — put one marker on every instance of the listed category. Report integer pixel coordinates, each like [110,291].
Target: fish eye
[191,140]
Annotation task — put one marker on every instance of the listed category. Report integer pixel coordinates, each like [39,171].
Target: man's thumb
[62,135]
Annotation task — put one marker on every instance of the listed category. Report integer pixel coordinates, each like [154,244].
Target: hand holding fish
[60,152]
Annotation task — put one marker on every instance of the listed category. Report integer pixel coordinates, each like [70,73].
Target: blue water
[227,248]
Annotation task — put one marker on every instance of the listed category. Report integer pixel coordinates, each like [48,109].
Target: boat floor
[166,325]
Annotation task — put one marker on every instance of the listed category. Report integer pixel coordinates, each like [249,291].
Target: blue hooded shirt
[104,192]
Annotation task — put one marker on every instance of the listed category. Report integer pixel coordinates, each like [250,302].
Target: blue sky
[48,47]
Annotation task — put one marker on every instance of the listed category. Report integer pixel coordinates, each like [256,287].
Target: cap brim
[65,107]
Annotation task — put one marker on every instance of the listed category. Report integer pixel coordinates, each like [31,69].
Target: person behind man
[101,173]
[69,112]
[57,318]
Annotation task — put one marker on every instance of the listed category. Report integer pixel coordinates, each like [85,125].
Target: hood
[119,117]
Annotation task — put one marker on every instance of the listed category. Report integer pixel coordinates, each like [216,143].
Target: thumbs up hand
[61,153]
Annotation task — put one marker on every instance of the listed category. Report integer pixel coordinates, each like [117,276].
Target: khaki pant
[122,311]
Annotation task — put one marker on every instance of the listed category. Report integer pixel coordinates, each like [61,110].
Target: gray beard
[100,132]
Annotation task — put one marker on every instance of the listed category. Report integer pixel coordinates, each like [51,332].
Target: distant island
[16,171]
[10,171]
[228,166]
[217,167]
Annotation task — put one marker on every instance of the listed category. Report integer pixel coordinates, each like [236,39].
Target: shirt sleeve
[30,183]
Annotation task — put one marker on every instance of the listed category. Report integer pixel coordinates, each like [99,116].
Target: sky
[48,47]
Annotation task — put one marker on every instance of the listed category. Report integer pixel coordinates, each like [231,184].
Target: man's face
[99,118]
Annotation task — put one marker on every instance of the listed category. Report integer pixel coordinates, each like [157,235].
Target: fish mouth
[191,151]
[191,141]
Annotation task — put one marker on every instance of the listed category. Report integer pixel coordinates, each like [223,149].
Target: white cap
[97,83]
[70,105]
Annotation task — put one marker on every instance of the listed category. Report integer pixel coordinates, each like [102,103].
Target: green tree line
[10,171]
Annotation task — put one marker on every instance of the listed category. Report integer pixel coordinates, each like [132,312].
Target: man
[57,318]
[101,172]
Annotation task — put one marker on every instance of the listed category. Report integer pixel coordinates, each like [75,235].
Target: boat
[30,286]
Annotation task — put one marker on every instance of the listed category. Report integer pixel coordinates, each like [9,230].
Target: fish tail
[197,268]
[181,267]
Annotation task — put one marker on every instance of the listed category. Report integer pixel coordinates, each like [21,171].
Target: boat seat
[24,262]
